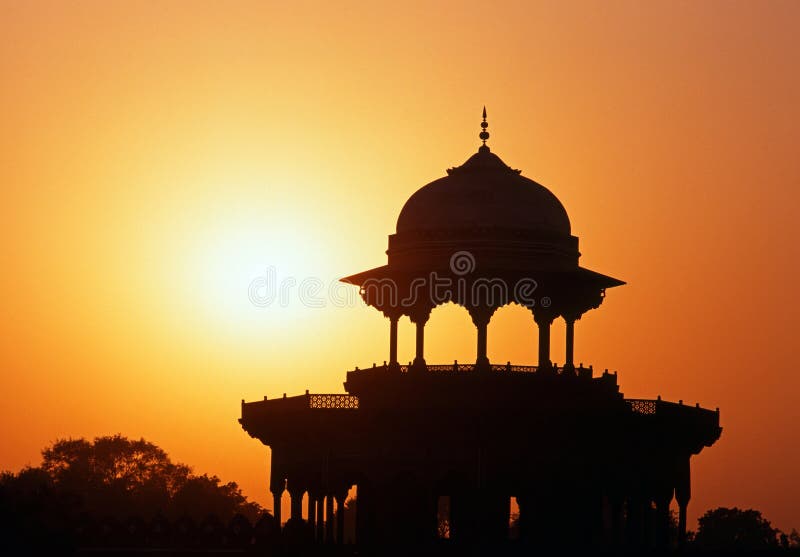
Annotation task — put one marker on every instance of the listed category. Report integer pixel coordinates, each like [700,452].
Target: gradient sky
[155,157]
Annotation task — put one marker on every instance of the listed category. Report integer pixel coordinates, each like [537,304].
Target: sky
[156,158]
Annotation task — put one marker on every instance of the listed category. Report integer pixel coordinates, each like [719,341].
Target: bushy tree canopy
[119,477]
[725,529]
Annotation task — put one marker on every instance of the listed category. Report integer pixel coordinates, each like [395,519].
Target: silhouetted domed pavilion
[587,466]
[484,191]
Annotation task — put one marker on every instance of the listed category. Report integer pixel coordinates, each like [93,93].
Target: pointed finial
[484,135]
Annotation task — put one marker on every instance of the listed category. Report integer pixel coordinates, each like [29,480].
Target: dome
[482,223]
[484,192]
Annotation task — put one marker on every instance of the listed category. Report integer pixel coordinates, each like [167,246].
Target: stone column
[480,318]
[617,503]
[393,363]
[296,507]
[277,482]
[329,518]
[635,524]
[419,317]
[482,361]
[683,492]
[419,357]
[340,499]
[662,520]
[464,524]
[320,519]
[496,515]
[365,522]
[523,521]
[276,506]
[569,364]
[544,320]
[311,509]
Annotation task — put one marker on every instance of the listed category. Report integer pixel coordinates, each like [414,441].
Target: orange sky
[156,157]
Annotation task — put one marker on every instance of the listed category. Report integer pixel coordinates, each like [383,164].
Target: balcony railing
[349,402]
[456,367]
[642,406]
[651,407]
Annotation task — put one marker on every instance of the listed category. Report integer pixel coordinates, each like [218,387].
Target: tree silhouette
[725,529]
[116,476]
[790,540]
[205,495]
[113,489]
[30,505]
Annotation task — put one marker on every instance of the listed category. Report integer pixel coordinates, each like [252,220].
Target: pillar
[296,507]
[464,523]
[340,499]
[524,504]
[569,364]
[544,321]
[329,518]
[320,519]
[682,507]
[482,361]
[393,342]
[683,492]
[480,318]
[662,520]
[419,318]
[542,515]
[276,506]
[277,483]
[495,513]
[365,523]
[419,358]
[311,510]
[616,503]
[544,345]
[635,524]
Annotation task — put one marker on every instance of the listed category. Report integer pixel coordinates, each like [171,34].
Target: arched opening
[513,336]
[406,343]
[558,344]
[281,504]
[449,335]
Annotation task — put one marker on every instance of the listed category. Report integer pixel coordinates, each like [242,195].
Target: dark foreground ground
[443,550]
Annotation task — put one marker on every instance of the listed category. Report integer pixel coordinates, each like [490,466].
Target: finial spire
[484,135]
